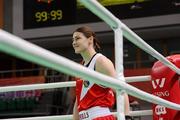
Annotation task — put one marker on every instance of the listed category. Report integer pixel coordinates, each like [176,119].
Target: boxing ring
[20,48]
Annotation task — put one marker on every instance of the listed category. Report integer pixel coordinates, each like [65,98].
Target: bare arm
[75,111]
[105,66]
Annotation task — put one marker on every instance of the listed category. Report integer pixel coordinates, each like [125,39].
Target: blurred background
[50,23]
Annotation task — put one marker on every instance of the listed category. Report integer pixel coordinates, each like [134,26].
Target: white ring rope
[115,23]
[61,84]
[28,51]
[69,117]
[141,113]
[62,117]
[37,86]
[138,78]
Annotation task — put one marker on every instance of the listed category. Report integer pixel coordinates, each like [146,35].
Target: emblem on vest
[86,83]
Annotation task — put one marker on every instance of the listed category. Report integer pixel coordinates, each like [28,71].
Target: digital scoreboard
[46,18]
[47,13]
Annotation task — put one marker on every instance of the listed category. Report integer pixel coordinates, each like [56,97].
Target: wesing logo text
[158,83]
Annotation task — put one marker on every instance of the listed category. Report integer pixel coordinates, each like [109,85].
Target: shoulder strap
[93,61]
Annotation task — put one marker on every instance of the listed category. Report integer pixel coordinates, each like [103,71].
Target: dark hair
[88,32]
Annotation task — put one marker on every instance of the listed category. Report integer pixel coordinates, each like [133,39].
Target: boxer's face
[80,42]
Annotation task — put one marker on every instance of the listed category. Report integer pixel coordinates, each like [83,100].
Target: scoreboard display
[47,13]
[45,18]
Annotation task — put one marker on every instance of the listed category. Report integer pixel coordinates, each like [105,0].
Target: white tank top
[88,84]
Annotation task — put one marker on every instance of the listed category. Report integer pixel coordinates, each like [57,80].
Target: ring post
[120,72]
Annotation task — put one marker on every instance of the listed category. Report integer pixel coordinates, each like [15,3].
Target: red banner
[22,81]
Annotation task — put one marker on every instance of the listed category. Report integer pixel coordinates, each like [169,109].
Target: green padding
[2,105]
[11,105]
[30,104]
[21,104]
